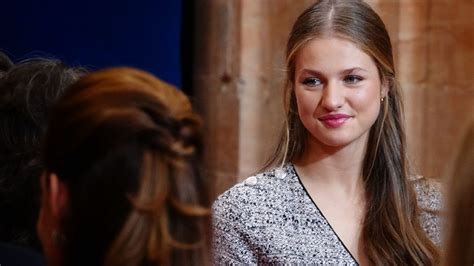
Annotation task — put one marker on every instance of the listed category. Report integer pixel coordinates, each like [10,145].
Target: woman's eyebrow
[311,72]
[351,70]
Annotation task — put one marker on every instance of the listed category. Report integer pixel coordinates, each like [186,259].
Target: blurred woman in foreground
[121,185]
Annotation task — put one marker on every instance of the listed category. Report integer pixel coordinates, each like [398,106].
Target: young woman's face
[338,91]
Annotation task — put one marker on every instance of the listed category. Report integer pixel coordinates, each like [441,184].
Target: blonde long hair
[126,145]
[391,232]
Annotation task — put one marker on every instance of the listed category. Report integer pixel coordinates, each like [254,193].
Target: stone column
[216,77]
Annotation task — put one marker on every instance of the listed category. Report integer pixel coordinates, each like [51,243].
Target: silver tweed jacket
[271,219]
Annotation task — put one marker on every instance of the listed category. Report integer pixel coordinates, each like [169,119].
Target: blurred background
[228,55]
[97,34]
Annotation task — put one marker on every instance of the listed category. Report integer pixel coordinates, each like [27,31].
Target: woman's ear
[58,195]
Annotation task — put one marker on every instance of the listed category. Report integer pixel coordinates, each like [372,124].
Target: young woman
[340,192]
[121,185]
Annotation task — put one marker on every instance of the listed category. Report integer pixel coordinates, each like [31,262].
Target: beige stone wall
[240,70]
[434,52]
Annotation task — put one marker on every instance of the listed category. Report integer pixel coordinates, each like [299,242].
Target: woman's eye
[312,82]
[352,79]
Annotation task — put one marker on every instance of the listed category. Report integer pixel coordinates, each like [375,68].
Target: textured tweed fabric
[270,219]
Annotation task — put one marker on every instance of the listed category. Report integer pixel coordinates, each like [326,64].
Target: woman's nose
[332,97]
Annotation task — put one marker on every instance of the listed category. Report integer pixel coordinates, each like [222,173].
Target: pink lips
[334,120]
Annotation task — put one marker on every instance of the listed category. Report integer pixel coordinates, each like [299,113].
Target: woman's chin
[333,142]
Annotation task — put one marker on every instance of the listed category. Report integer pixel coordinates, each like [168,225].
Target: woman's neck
[339,168]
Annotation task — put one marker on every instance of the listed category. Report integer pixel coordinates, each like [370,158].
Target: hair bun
[189,129]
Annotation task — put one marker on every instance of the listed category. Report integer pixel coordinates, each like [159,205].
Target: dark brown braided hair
[126,145]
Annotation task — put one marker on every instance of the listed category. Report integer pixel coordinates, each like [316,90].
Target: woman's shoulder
[242,214]
[429,195]
[256,191]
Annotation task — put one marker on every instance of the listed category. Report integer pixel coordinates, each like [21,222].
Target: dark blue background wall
[97,33]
